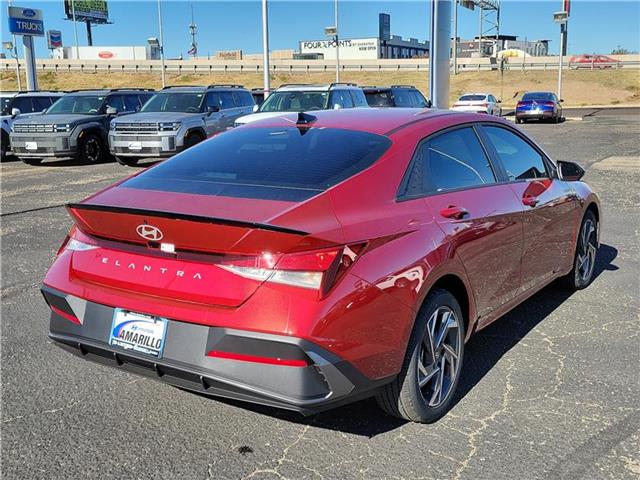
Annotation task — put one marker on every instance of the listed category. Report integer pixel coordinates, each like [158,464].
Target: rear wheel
[584,260]
[423,390]
[518,120]
[91,148]
[4,140]
[32,161]
[127,161]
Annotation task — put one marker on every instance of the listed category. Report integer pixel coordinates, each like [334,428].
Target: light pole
[265,49]
[337,42]
[75,28]
[13,49]
[439,54]
[561,19]
[161,43]
[455,37]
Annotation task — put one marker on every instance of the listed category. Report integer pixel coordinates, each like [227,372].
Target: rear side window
[520,160]
[116,102]
[450,161]
[380,99]
[403,97]
[213,99]
[419,100]
[286,163]
[342,98]
[42,103]
[243,99]
[226,100]
[131,103]
[358,98]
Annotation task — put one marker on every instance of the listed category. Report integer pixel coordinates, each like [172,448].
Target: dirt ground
[580,88]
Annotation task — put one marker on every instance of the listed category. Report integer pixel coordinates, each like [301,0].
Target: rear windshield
[539,96]
[287,163]
[472,98]
[379,99]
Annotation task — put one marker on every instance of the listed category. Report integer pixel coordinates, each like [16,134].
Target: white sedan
[479,103]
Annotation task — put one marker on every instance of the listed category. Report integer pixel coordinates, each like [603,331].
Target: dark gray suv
[75,126]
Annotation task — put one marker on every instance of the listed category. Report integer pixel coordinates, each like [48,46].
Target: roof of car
[372,88]
[315,87]
[40,93]
[475,93]
[201,88]
[382,121]
[106,91]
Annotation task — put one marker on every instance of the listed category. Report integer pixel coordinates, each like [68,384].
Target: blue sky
[595,26]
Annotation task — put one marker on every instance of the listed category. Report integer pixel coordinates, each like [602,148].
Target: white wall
[103,53]
[350,49]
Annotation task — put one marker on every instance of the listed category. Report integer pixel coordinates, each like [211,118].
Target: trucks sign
[26,21]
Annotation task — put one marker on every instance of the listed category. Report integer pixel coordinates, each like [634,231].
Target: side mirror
[570,171]
[15,112]
[498,101]
[256,108]
[212,109]
[112,111]
[337,106]
[561,100]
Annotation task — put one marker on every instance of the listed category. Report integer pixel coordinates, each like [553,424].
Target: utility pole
[455,37]
[561,18]
[75,28]
[164,84]
[265,49]
[337,42]
[440,49]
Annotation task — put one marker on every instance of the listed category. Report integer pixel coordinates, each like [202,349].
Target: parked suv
[305,98]
[76,125]
[396,96]
[177,118]
[21,104]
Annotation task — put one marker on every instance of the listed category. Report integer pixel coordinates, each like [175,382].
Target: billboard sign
[26,21]
[54,39]
[95,11]
[384,26]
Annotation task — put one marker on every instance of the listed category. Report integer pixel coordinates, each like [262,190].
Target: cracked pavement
[550,391]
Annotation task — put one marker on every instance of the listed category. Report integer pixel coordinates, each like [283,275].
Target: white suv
[306,98]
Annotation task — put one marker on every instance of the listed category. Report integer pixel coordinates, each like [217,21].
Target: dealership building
[384,45]
[490,45]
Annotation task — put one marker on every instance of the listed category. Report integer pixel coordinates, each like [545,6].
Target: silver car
[176,118]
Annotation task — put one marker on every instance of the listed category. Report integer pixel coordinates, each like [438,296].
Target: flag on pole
[193,50]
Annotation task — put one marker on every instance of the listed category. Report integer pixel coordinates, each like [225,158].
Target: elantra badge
[149,232]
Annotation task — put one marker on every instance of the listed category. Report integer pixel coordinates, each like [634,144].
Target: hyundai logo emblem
[27,12]
[149,232]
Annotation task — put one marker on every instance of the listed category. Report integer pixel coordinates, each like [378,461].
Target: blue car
[539,106]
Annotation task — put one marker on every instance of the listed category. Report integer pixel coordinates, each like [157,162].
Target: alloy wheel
[587,248]
[439,356]
[92,149]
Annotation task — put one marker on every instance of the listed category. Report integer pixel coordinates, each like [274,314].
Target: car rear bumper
[321,381]
[534,114]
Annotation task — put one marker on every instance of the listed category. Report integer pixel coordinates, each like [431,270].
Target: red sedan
[593,61]
[307,261]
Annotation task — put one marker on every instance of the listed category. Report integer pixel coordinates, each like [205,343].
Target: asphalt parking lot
[551,391]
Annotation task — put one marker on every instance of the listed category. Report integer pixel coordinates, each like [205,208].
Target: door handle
[530,201]
[453,212]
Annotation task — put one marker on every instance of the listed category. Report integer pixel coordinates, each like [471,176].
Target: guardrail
[285,67]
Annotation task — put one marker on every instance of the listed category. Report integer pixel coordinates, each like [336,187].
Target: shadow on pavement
[482,352]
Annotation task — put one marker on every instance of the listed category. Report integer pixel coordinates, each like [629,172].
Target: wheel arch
[457,287]
[197,130]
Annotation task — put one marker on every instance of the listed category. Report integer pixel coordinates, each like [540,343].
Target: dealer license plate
[31,145]
[138,332]
[135,145]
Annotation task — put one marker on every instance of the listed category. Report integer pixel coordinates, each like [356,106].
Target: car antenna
[304,118]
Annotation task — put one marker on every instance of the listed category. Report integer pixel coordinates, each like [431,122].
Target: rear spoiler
[182,216]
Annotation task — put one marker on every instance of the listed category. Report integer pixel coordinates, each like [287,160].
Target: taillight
[548,104]
[317,270]
[520,104]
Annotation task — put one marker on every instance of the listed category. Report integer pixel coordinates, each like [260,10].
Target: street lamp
[161,43]
[332,32]
[561,18]
[13,49]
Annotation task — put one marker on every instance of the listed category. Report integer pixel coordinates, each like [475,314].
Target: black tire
[518,120]
[581,275]
[31,161]
[127,161]
[192,139]
[4,145]
[91,149]
[404,397]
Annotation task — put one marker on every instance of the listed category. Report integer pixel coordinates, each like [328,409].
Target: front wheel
[91,149]
[192,139]
[424,389]
[584,261]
